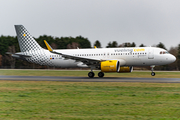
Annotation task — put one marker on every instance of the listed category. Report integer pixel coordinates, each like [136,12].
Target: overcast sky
[140,21]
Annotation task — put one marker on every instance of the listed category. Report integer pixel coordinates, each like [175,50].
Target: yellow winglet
[48,46]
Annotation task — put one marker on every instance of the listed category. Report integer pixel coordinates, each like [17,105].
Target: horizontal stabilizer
[18,55]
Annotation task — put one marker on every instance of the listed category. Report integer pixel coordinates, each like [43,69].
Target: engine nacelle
[110,66]
[125,69]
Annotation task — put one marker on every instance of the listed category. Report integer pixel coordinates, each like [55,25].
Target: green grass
[84,73]
[44,100]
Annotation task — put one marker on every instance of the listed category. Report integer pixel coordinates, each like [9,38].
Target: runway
[86,79]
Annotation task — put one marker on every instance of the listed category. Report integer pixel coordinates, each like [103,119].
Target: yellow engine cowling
[125,69]
[110,66]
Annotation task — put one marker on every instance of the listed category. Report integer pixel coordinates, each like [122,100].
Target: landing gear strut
[152,69]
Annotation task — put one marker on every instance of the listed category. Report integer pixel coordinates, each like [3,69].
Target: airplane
[120,60]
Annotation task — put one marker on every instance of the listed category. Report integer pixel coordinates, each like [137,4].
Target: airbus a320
[118,60]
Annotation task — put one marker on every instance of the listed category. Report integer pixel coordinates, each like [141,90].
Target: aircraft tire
[91,74]
[153,73]
[101,74]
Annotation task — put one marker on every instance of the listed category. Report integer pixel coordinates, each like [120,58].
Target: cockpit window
[164,52]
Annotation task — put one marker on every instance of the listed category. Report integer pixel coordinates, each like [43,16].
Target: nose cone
[172,58]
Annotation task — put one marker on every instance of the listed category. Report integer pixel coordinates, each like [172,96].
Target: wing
[85,60]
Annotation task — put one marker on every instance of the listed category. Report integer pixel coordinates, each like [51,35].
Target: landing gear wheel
[101,74]
[153,73]
[91,74]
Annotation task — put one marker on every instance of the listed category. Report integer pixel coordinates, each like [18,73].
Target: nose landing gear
[153,73]
[152,69]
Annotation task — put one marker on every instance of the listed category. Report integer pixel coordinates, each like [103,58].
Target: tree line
[10,44]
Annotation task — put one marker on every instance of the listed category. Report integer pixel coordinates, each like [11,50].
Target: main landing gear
[91,74]
[152,69]
[101,74]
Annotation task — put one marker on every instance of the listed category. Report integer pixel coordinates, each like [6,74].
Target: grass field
[44,100]
[83,73]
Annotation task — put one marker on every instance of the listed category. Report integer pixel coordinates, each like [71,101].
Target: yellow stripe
[48,46]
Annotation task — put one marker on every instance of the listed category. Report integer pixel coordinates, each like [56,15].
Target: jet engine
[125,69]
[110,66]
[114,66]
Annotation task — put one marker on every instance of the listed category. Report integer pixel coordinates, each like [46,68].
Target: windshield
[164,52]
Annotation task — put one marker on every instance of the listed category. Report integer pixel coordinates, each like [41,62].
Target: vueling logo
[139,49]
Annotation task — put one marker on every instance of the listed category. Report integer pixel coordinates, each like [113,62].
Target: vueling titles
[130,50]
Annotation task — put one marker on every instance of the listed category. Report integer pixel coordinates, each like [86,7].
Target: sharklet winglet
[48,46]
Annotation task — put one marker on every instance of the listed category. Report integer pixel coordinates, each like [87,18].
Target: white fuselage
[137,56]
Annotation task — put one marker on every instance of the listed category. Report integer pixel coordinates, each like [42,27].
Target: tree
[142,45]
[111,45]
[97,44]
[127,44]
[161,45]
[178,56]
[9,58]
[74,45]
[174,65]
[0,60]
[133,45]
[114,44]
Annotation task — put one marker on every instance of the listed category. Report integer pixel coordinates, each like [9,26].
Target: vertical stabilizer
[26,41]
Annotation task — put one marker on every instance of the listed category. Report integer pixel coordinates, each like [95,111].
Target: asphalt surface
[86,79]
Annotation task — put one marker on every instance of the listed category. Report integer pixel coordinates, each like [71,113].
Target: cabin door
[151,53]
